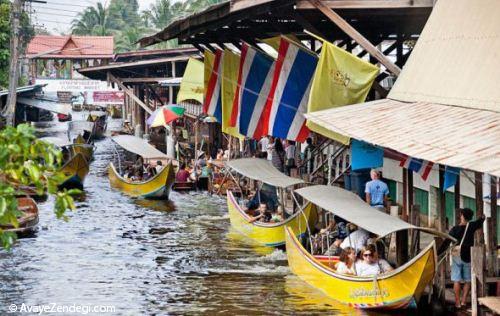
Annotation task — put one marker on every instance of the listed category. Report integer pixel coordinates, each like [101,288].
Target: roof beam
[129,92]
[355,35]
[368,4]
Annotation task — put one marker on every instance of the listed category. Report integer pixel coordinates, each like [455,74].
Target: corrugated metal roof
[456,60]
[449,135]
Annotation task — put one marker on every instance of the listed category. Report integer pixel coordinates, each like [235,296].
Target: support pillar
[478,183]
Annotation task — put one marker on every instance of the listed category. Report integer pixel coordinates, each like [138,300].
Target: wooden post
[478,284]
[457,199]
[10,108]
[442,201]
[355,35]
[478,183]
[492,229]
[402,236]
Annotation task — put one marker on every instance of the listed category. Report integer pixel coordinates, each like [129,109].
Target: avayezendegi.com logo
[82,309]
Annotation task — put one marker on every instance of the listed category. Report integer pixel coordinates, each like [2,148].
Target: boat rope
[305,218]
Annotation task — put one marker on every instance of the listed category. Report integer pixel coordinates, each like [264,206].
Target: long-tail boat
[157,187]
[28,221]
[268,234]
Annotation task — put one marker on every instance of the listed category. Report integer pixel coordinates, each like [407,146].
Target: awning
[46,105]
[138,146]
[170,82]
[350,207]
[262,170]
[75,127]
[97,113]
[449,135]
[59,142]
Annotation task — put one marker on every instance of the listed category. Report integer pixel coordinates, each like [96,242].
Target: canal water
[175,257]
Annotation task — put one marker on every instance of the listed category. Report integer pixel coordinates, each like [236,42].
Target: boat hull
[158,187]
[75,170]
[28,223]
[394,290]
[271,235]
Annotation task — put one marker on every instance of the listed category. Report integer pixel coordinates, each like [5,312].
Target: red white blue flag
[287,101]
[213,100]
[254,82]
[422,167]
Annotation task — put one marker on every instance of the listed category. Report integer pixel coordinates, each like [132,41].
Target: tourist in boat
[263,142]
[278,155]
[182,175]
[159,166]
[333,235]
[220,154]
[376,191]
[347,261]
[137,177]
[370,264]
[460,259]
[261,214]
[127,128]
[357,239]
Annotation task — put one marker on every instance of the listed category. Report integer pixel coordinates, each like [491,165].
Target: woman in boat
[182,175]
[347,261]
[370,264]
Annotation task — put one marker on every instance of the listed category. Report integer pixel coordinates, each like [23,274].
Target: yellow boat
[80,146]
[268,234]
[158,187]
[399,288]
[75,169]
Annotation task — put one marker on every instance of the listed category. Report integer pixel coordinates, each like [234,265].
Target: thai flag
[422,167]
[287,102]
[213,98]
[254,82]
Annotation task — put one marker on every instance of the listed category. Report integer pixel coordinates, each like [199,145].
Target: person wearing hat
[127,128]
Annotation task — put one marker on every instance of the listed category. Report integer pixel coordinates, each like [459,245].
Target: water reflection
[150,257]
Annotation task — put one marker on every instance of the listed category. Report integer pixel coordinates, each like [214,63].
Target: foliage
[122,19]
[26,31]
[27,161]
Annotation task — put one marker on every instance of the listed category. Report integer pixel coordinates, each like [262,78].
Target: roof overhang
[449,135]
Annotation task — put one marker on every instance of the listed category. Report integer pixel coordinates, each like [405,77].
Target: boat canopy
[353,209]
[46,105]
[59,142]
[262,170]
[98,113]
[138,146]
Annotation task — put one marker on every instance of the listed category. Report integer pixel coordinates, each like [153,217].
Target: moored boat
[75,170]
[28,221]
[396,289]
[99,118]
[268,234]
[158,186]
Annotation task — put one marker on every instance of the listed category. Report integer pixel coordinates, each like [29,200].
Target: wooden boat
[158,187]
[28,221]
[399,288]
[268,234]
[75,170]
[115,111]
[99,118]
[80,146]
[184,186]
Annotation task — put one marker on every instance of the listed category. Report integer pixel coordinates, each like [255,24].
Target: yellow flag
[192,82]
[230,69]
[275,41]
[209,66]
[340,79]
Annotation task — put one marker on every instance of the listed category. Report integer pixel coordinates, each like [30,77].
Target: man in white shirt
[357,239]
[263,142]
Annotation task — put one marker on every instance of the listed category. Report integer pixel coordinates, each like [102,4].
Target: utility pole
[16,10]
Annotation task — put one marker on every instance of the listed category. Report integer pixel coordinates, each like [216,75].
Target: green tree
[25,160]
[92,21]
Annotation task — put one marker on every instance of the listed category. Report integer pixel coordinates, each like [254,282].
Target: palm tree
[163,12]
[92,21]
[127,39]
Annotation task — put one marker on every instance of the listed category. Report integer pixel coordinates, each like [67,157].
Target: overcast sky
[56,15]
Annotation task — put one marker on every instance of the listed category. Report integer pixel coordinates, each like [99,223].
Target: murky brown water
[151,258]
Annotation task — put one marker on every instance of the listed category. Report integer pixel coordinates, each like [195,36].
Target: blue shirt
[377,190]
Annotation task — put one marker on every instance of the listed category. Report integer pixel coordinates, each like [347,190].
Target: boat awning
[75,127]
[454,136]
[46,105]
[98,113]
[59,142]
[262,170]
[138,146]
[353,209]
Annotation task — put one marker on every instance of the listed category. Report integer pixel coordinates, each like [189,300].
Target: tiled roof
[72,46]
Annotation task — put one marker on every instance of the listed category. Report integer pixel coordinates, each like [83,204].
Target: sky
[56,15]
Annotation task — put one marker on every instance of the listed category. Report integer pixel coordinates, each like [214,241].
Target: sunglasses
[367,255]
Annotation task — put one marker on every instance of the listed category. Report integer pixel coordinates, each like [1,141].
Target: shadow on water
[151,257]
